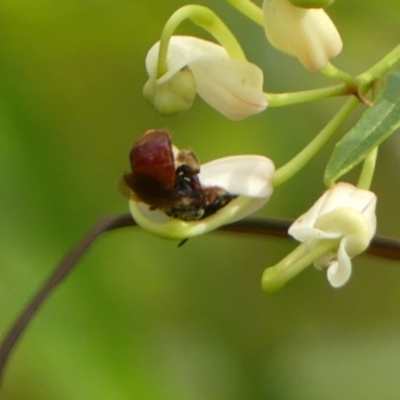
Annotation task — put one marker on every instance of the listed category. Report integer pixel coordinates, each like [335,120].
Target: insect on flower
[167,179]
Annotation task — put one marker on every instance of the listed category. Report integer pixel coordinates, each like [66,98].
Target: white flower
[246,176]
[344,213]
[232,87]
[308,34]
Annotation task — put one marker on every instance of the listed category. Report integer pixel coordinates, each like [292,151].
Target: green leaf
[375,125]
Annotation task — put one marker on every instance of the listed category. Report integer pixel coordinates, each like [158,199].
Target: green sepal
[376,124]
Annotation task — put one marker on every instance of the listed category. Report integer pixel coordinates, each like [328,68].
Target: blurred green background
[140,318]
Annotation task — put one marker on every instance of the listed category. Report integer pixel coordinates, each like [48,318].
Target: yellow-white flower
[345,214]
[232,87]
[308,34]
[248,177]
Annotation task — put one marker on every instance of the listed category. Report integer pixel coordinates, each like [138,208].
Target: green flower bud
[173,96]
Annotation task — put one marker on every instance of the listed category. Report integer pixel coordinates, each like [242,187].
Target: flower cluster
[173,196]
[231,84]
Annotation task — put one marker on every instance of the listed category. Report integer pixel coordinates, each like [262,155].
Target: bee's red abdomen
[152,156]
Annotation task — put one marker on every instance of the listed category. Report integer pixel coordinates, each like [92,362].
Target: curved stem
[274,227]
[286,99]
[206,19]
[301,159]
[60,272]
[249,9]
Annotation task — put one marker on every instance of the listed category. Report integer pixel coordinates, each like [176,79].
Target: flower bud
[339,226]
[308,34]
[233,87]
[171,96]
[344,212]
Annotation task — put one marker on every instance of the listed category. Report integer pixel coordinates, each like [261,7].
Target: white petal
[183,50]
[303,228]
[339,270]
[159,224]
[342,195]
[325,260]
[358,236]
[347,195]
[232,87]
[308,34]
[247,175]
[303,233]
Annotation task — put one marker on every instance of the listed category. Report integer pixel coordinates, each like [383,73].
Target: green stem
[206,19]
[249,9]
[301,159]
[368,169]
[332,72]
[381,67]
[300,258]
[285,99]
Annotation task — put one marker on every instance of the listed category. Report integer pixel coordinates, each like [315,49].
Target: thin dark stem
[380,246]
[60,272]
